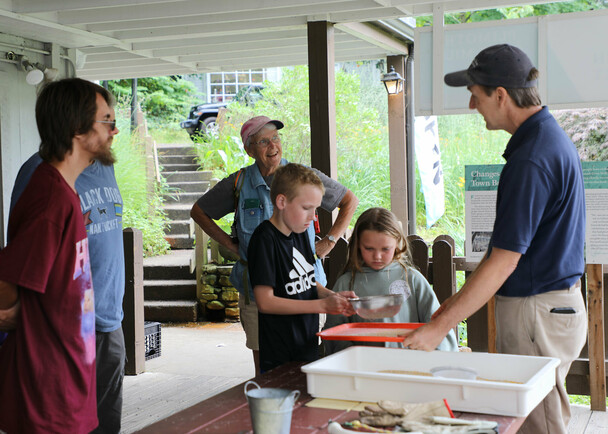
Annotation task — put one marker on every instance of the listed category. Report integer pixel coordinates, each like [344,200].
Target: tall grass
[141,210]
[463,140]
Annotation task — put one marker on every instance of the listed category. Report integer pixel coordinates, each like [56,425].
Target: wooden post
[595,312]
[322,96]
[444,283]
[133,302]
[477,328]
[397,147]
[201,256]
[444,270]
[420,255]
[491,306]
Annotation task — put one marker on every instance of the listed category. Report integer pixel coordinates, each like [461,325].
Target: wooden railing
[587,374]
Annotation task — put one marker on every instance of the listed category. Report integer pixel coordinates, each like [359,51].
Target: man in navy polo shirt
[535,258]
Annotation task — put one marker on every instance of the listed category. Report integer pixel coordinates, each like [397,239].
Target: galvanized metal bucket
[270,408]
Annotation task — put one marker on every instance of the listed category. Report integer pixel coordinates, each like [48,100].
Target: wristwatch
[331,238]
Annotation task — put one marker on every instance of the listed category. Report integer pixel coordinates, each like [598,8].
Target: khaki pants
[249,321]
[525,325]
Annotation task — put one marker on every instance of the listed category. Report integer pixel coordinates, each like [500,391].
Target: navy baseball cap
[499,65]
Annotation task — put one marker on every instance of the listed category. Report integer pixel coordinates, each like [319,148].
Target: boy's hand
[348,294]
[336,304]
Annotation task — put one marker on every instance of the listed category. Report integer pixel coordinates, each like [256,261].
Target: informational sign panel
[481,184]
[596,198]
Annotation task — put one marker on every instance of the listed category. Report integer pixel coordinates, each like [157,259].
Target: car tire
[205,126]
[210,125]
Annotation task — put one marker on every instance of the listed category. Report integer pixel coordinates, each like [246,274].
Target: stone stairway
[186,186]
[169,286]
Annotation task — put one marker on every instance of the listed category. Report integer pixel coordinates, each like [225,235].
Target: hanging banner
[428,156]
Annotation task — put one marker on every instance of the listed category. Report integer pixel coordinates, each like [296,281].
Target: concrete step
[190,186]
[177,211]
[171,311]
[180,241]
[179,167]
[169,290]
[175,150]
[187,176]
[176,159]
[168,272]
[178,227]
[184,198]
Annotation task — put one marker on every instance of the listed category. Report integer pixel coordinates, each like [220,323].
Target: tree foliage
[165,100]
[515,12]
[588,129]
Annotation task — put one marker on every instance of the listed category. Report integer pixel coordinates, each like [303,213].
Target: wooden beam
[595,311]
[374,36]
[397,146]
[321,76]
[322,97]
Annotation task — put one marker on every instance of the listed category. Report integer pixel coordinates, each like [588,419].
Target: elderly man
[535,257]
[247,194]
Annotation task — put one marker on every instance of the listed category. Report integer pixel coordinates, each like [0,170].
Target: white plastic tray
[353,374]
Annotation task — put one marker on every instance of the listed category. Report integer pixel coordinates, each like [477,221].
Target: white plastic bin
[353,374]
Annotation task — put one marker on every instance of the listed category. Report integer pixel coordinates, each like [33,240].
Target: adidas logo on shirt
[302,276]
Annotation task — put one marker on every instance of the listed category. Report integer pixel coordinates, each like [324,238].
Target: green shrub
[140,210]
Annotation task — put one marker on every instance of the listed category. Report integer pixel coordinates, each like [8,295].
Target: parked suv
[203,117]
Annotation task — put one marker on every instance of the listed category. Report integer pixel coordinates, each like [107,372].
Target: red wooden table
[228,412]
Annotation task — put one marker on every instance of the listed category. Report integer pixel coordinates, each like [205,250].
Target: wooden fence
[587,374]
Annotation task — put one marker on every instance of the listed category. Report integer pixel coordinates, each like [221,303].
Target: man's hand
[426,338]
[212,229]
[9,317]
[9,306]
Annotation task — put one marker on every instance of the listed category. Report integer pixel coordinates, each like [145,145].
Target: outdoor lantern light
[392,81]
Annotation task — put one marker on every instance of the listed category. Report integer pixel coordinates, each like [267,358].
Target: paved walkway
[199,360]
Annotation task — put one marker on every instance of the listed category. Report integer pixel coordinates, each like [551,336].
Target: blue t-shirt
[540,208]
[101,205]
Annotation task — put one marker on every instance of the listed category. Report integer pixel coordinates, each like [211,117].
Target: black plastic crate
[152,334]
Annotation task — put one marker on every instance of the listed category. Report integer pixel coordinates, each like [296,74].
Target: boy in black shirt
[282,274]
